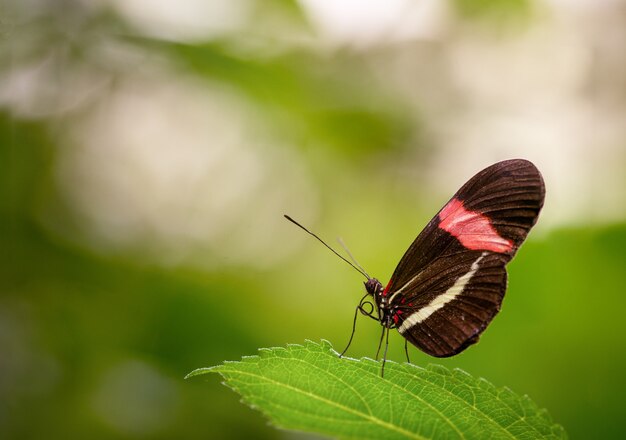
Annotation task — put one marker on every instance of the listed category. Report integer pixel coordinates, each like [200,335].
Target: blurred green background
[148,152]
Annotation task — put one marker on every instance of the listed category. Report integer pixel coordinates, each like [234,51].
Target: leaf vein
[373,419]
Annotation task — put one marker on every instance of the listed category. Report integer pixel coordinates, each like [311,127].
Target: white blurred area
[184,171]
[185,19]
[363,24]
[187,171]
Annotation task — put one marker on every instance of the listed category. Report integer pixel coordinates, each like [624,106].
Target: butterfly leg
[358,309]
[380,343]
[406,350]
[382,369]
[356,312]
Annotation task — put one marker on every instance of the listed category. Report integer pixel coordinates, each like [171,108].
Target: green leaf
[309,388]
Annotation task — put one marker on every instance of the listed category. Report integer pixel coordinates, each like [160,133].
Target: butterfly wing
[451,281]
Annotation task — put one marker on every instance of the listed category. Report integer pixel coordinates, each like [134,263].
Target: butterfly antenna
[361,271]
[345,248]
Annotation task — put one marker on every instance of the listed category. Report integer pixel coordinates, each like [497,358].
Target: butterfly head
[386,310]
[373,287]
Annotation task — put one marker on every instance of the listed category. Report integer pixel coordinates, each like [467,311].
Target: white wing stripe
[457,288]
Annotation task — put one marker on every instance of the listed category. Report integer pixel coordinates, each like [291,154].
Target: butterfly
[450,283]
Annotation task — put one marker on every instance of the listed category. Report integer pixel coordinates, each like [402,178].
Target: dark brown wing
[450,283]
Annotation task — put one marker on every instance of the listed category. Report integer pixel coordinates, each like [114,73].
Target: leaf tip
[199,372]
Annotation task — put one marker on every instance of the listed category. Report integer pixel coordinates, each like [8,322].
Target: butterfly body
[383,307]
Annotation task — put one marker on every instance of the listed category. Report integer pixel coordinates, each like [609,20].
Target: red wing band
[472,229]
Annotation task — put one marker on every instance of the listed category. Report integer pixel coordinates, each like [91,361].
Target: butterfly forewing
[450,283]
[510,194]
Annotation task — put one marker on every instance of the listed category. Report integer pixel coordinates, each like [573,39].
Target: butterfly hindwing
[451,281]
[447,310]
